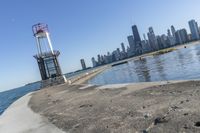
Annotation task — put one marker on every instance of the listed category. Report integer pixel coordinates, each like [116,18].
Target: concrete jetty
[154,107]
[19,118]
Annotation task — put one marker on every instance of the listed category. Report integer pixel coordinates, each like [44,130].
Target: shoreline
[18,118]
[151,53]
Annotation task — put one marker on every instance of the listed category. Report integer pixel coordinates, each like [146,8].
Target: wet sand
[156,107]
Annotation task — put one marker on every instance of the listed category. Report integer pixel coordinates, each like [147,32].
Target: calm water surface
[8,97]
[181,64]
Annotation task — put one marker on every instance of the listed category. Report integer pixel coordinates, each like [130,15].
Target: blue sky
[79,29]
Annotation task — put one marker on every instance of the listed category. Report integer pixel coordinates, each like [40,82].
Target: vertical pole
[38,46]
[49,42]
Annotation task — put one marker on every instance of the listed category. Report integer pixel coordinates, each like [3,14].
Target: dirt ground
[136,108]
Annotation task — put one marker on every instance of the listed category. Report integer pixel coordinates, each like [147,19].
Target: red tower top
[39,28]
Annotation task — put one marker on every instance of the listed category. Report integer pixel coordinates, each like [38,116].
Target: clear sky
[79,29]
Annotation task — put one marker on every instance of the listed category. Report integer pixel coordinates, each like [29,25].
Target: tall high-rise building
[94,62]
[152,39]
[173,31]
[132,45]
[136,34]
[165,41]
[145,44]
[145,39]
[178,37]
[137,39]
[184,35]
[83,64]
[169,33]
[131,41]
[160,43]
[181,36]
[194,29]
[123,48]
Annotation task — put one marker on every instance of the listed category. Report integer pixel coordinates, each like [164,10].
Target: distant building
[160,43]
[181,36]
[178,37]
[194,30]
[173,37]
[190,37]
[123,47]
[132,45]
[83,64]
[165,41]
[145,45]
[99,59]
[169,33]
[137,39]
[173,31]
[136,34]
[184,35]
[117,55]
[172,40]
[152,39]
[94,62]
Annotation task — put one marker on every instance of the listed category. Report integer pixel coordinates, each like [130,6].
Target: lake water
[181,64]
[8,97]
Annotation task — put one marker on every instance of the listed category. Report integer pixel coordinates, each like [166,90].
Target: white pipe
[38,46]
[49,42]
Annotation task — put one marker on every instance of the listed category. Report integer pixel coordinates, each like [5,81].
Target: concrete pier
[155,107]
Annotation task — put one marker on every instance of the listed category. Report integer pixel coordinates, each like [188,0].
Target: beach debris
[85,105]
[160,120]
[185,126]
[197,124]
[185,114]
[147,115]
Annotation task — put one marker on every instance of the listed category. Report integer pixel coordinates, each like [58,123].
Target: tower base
[53,81]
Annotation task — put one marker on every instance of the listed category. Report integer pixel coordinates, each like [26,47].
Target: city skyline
[137,46]
[77,27]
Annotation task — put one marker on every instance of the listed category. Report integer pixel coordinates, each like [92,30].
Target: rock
[159,120]
[197,124]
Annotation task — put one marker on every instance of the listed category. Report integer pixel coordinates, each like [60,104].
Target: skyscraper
[194,29]
[152,39]
[173,31]
[145,44]
[136,34]
[169,33]
[94,62]
[83,64]
[178,37]
[181,36]
[132,45]
[131,41]
[137,39]
[123,48]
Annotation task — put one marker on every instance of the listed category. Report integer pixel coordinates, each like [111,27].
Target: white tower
[46,57]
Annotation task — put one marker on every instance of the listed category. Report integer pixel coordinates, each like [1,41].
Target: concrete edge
[19,118]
